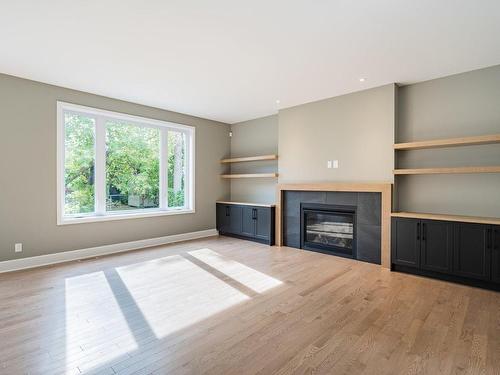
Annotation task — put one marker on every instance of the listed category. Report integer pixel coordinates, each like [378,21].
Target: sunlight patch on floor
[173,293]
[96,329]
[253,279]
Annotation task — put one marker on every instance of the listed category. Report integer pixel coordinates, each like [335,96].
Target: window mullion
[163,169]
[187,170]
[100,167]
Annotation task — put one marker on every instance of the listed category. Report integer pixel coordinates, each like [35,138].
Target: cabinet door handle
[489,239]
[254,213]
[227,210]
[418,231]
[495,243]
[424,230]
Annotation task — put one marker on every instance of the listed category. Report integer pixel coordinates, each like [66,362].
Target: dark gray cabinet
[244,221]
[229,218]
[422,244]
[459,251]
[248,221]
[235,214]
[264,222]
[436,245]
[223,218]
[406,242]
[471,257]
[495,254]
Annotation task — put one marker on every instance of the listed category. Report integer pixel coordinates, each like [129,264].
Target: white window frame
[100,214]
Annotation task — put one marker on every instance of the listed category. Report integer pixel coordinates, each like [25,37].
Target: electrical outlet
[329,164]
[18,247]
[335,164]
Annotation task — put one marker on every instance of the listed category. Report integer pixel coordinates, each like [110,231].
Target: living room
[258,188]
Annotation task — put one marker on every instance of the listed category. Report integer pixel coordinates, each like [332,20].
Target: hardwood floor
[227,306]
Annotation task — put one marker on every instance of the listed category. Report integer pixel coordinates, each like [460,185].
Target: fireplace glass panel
[330,229]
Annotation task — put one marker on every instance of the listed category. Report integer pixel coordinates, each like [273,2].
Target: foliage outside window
[116,164]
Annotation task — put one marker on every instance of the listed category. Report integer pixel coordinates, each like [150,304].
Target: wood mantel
[385,189]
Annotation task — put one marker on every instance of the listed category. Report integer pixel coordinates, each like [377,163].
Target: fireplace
[328,228]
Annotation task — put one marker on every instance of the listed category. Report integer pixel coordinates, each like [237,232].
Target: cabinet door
[263,223]
[248,224]
[472,253]
[406,242]
[223,218]
[436,246]
[235,219]
[495,254]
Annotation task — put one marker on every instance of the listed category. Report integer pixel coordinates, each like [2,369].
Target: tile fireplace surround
[375,211]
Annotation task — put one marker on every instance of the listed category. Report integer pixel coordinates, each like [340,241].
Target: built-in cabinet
[466,250]
[436,246]
[229,218]
[264,224]
[461,246]
[495,255]
[406,242]
[424,244]
[472,255]
[246,221]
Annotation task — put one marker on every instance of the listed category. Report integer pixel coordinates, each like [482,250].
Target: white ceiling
[229,60]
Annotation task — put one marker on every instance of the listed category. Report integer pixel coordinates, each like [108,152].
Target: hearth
[328,228]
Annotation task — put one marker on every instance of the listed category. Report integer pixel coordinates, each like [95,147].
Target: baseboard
[66,256]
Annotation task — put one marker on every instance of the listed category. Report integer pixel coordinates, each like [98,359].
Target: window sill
[121,216]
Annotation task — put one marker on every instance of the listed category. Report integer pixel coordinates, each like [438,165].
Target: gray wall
[28,173]
[461,105]
[250,138]
[356,129]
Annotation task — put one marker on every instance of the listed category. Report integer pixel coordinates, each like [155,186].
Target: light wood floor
[226,306]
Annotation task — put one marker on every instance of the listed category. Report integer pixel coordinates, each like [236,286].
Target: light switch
[332,164]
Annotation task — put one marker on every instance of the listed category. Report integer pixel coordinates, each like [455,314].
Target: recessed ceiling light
[278,101]
[362,79]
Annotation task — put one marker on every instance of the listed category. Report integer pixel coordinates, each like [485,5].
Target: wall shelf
[454,170]
[249,158]
[445,217]
[248,204]
[449,142]
[250,175]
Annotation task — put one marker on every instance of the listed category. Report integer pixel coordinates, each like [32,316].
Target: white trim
[190,158]
[67,256]
[100,169]
[100,213]
[122,116]
[163,169]
[122,215]
[60,162]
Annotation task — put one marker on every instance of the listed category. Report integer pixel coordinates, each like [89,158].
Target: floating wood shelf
[250,158]
[450,142]
[456,170]
[250,175]
[445,217]
[248,204]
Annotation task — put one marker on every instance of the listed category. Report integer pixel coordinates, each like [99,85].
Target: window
[114,166]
